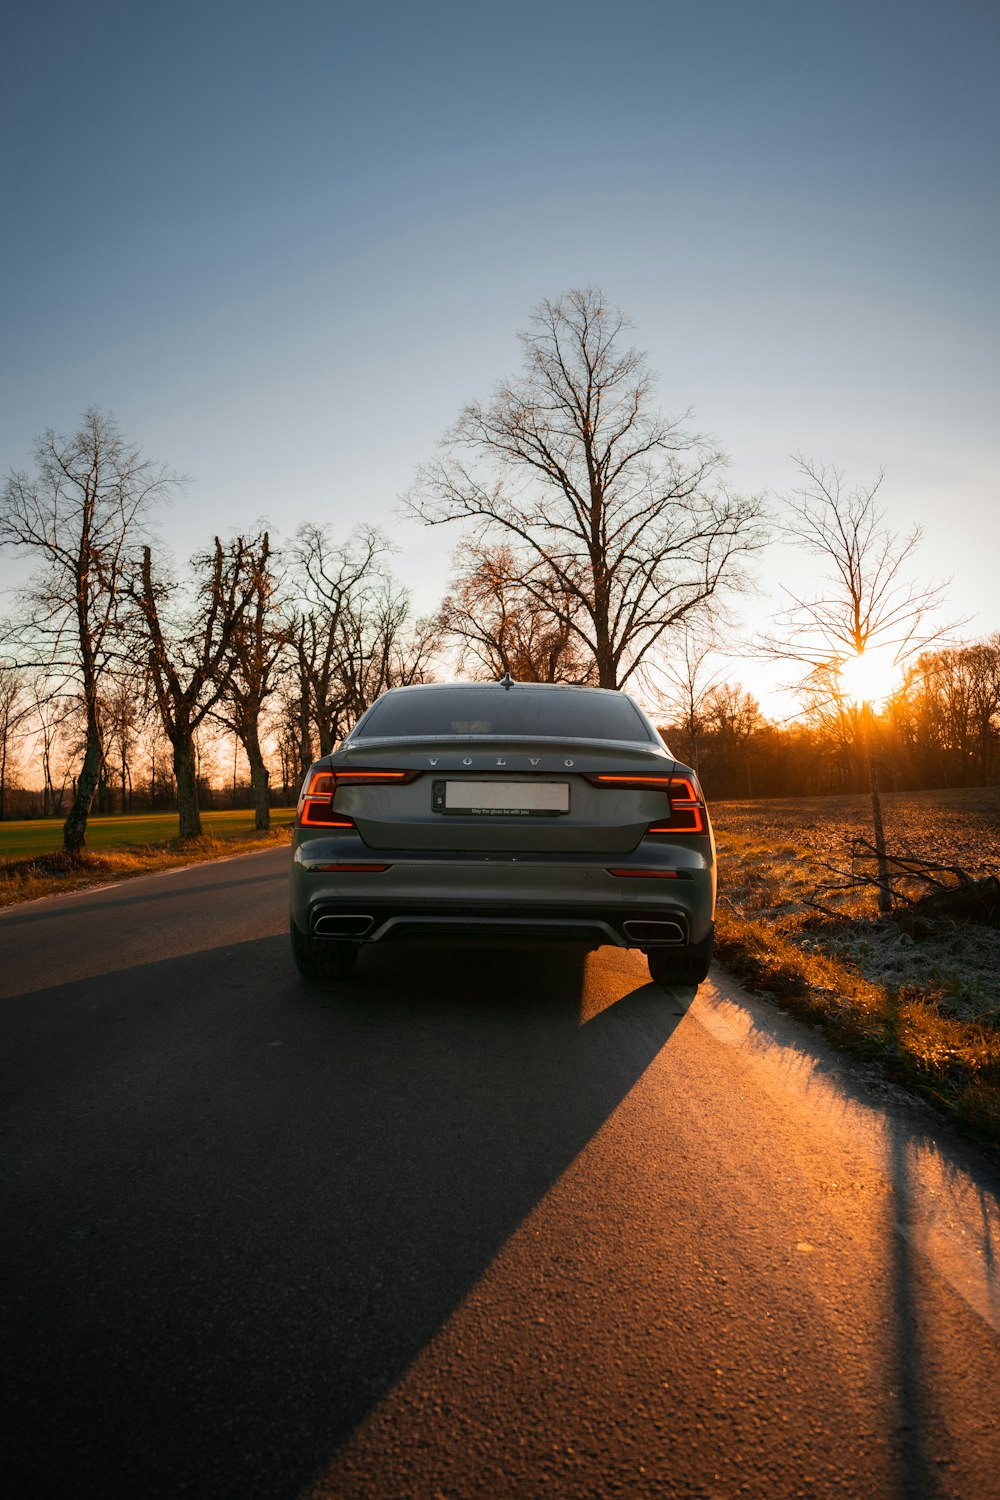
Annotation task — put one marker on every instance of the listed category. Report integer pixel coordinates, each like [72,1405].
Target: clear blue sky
[283,244]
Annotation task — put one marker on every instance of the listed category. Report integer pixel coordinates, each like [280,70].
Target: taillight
[315,807]
[687,806]
[687,809]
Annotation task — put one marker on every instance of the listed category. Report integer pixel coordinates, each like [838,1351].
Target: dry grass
[51,874]
[960,826]
[928,1009]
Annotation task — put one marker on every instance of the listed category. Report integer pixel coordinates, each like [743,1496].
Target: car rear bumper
[354,893]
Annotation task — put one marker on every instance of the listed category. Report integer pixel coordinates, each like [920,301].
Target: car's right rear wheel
[322,960]
[688,965]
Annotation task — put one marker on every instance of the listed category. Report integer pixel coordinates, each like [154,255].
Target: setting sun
[869,677]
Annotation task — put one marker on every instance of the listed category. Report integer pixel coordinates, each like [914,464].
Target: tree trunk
[607,668]
[305,744]
[884,888]
[259,781]
[186,773]
[75,827]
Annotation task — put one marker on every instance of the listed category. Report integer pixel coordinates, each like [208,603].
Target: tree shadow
[934,1180]
[238,1206]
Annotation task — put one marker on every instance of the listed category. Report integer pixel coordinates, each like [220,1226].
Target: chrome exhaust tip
[650,931]
[342,927]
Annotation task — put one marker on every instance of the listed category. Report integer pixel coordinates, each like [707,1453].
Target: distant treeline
[941,729]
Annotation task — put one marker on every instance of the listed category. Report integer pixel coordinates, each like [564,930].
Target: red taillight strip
[351,869]
[646,874]
[663,783]
[358,778]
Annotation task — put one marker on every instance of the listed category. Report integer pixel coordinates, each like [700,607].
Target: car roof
[507,686]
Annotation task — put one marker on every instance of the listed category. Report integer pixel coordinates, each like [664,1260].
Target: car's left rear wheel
[322,960]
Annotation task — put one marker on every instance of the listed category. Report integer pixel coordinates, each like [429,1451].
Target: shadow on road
[928,1178]
[237,1206]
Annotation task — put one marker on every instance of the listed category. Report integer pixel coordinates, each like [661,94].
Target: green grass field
[24,840]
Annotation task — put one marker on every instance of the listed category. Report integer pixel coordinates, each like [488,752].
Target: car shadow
[237,1206]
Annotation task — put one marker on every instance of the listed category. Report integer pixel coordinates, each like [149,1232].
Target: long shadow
[916,1478]
[237,1207]
[913,1422]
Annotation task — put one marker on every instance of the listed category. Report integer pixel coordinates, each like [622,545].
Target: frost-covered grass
[928,1007]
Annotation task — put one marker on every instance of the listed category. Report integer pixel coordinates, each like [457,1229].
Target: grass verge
[24,839]
[49,874]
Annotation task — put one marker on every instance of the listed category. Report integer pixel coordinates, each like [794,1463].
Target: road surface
[474,1224]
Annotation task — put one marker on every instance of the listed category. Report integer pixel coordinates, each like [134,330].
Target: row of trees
[116,656]
[598,540]
[941,727]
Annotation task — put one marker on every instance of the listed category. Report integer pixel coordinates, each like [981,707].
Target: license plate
[502,799]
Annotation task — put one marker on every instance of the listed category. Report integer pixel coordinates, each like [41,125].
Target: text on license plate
[496,798]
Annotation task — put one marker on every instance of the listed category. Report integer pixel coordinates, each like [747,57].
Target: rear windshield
[572,713]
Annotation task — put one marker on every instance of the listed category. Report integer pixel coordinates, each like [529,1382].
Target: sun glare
[870,677]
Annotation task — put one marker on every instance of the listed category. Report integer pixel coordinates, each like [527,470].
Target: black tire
[688,965]
[322,960]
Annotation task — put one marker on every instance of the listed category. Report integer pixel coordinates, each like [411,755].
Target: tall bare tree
[77,514]
[866,604]
[188,652]
[623,509]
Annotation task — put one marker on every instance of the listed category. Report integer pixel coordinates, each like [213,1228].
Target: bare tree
[623,509]
[50,714]
[188,652]
[14,709]
[734,715]
[351,633]
[689,679]
[252,668]
[77,514]
[384,647]
[123,710]
[502,625]
[335,582]
[868,607]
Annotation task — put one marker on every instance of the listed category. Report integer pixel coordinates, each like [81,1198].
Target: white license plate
[515,798]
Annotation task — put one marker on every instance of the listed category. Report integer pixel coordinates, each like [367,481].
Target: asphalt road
[473,1224]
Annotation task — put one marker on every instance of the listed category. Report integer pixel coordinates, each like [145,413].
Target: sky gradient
[284,245]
